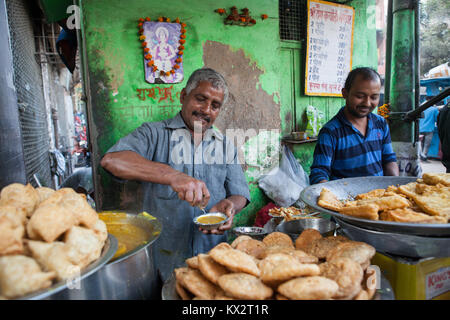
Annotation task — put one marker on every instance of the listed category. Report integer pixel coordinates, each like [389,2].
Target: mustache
[201,115]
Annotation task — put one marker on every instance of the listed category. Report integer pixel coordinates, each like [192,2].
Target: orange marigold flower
[183,25]
[141,19]
[141,31]
[162,73]
[142,37]
[176,66]
[243,19]
[182,41]
[144,44]
[148,56]
[147,18]
[264,16]
[150,63]
[160,19]
[168,73]
[183,36]
[172,71]
[167,19]
[253,21]
[146,49]
[178,60]
[181,48]
[155,68]
[180,53]
[177,20]
[140,25]
[183,30]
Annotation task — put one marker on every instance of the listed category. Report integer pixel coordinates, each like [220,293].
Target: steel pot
[130,277]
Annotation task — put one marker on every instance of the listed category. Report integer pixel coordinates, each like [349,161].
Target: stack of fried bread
[45,236]
[311,268]
[425,201]
[289,214]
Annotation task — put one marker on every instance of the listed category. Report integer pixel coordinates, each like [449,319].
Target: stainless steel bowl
[108,252]
[129,277]
[254,232]
[398,244]
[295,227]
[211,226]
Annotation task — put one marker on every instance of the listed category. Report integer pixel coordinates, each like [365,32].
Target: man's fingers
[206,195]
[189,196]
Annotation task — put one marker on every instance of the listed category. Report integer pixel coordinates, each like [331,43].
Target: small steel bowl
[295,227]
[211,226]
[254,232]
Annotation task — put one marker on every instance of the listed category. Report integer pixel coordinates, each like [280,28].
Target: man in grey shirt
[184,164]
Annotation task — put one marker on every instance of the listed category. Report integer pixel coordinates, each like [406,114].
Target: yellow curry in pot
[128,235]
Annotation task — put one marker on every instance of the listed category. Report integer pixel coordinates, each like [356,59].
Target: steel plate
[350,187]
[399,244]
[384,293]
[108,252]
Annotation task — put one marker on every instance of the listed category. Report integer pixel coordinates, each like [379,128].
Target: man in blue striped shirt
[355,142]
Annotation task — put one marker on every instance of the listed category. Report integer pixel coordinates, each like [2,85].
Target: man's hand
[190,189]
[224,206]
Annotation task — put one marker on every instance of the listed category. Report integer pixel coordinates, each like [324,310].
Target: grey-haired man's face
[201,106]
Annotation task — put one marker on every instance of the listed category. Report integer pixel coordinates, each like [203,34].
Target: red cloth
[263,215]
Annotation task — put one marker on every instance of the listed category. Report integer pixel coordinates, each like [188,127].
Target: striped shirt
[343,152]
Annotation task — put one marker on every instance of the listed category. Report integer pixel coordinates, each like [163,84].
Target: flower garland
[148,57]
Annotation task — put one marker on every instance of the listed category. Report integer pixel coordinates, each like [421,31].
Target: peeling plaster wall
[248,57]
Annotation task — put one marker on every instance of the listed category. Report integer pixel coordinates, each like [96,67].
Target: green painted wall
[113,64]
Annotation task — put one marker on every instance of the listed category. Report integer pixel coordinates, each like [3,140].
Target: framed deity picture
[163,44]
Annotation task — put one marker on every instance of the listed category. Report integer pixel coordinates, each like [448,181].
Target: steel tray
[350,187]
[108,252]
[384,293]
[405,245]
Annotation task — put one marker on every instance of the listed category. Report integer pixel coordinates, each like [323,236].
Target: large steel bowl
[350,187]
[58,288]
[131,276]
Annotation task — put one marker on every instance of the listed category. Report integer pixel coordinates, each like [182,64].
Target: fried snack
[369,283]
[288,214]
[100,230]
[276,249]
[11,231]
[408,189]
[252,247]
[328,200]
[279,296]
[362,295]
[44,193]
[368,211]
[303,257]
[309,288]
[407,215]
[244,286]
[347,273]
[82,246]
[233,259]
[49,222]
[280,267]
[435,178]
[357,251]
[192,262]
[386,203]
[210,269]
[53,257]
[239,239]
[278,239]
[320,247]
[197,284]
[184,294]
[20,275]
[304,240]
[376,193]
[14,213]
[20,196]
[80,208]
[223,296]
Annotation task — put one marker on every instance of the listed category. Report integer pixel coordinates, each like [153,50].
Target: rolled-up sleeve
[323,157]
[142,141]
